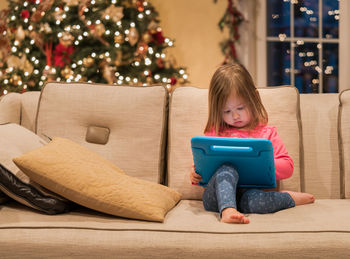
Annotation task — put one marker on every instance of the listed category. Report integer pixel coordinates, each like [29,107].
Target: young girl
[236,110]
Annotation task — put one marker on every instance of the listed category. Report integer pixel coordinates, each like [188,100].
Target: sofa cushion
[10,108]
[29,101]
[344,141]
[320,142]
[188,116]
[88,179]
[320,230]
[15,141]
[134,116]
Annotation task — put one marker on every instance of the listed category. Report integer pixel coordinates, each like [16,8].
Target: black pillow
[27,194]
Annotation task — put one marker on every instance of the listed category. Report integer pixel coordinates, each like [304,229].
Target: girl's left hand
[195,178]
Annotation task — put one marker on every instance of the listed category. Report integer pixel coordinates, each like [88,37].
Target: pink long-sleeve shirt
[283,162]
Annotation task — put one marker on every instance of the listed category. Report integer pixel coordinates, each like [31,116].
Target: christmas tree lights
[102,41]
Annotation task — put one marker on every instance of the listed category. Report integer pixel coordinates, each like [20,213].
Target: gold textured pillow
[88,179]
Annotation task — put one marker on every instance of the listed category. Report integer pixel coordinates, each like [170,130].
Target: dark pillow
[3,197]
[16,140]
[29,195]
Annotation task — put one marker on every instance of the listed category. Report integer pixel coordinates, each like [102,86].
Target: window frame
[344,53]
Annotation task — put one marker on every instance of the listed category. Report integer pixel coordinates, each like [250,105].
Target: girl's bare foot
[231,215]
[301,198]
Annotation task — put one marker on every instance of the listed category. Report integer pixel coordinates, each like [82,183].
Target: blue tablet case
[252,158]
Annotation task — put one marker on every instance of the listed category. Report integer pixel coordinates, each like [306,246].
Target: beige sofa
[149,138]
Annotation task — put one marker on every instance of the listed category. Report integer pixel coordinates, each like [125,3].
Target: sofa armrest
[10,108]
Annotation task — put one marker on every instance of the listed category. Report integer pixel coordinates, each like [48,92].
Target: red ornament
[173,80]
[158,37]
[140,6]
[160,63]
[25,14]
[62,55]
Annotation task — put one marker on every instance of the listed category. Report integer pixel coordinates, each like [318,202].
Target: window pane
[330,68]
[330,18]
[306,63]
[306,18]
[278,63]
[278,18]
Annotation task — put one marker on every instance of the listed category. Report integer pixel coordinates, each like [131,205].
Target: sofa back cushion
[10,108]
[344,143]
[29,101]
[319,114]
[188,116]
[131,120]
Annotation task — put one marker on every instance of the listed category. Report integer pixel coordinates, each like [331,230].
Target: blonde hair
[233,79]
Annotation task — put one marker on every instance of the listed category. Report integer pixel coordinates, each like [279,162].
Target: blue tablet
[253,159]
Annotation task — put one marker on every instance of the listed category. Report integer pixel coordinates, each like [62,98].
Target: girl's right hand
[195,178]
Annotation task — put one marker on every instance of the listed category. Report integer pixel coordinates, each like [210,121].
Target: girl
[236,110]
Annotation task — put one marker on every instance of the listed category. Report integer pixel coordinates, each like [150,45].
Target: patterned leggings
[221,193]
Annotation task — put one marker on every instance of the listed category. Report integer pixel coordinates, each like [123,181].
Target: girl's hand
[195,178]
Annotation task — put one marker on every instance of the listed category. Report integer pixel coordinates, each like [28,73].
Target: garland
[231,19]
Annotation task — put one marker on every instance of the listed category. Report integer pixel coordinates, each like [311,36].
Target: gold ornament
[31,83]
[181,81]
[98,30]
[129,3]
[119,38]
[87,62]
[71,2]
[142,48]
[66,39]
[67,72]
[149,80]
[20,34]
[152,27]
[114,12]
[118,59]
[146,37]
[133,36]
[58,15]
[38,38]
[15,79]
[108,74]
[50,73]
[13,61]
[20,63]
[45,28]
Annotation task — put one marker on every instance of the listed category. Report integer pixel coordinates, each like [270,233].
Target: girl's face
[236,113]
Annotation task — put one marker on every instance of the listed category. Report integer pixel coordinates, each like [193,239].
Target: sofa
[149,139]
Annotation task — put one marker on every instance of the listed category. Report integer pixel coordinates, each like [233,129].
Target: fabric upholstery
[88,179]
[16,140]
[135,116]
[29,108]
[344,144]
[10,108]
[187,118]
[187,232]
[319,115]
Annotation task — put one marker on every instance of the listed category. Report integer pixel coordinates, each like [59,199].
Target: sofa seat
[318,229]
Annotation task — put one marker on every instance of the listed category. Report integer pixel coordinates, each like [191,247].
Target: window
[269,45]
[302,44]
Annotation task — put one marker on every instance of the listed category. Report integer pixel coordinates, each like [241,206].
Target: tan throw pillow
[88,179]
[16,140]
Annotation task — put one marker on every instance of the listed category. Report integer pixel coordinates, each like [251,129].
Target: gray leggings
[222,192]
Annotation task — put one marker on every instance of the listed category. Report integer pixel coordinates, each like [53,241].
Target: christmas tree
[102,41]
